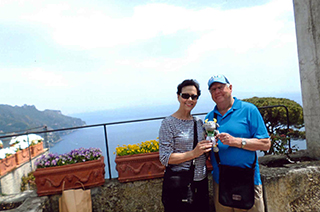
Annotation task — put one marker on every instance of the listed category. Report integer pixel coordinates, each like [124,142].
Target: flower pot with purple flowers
[80,166]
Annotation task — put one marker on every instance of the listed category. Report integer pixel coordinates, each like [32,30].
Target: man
[242,132]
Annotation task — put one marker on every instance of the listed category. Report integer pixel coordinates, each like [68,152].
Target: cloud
[143,52]
[47,78]
[36,77]
[77,26]
[244,29]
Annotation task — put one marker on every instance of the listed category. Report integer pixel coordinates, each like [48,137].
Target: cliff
[26,117]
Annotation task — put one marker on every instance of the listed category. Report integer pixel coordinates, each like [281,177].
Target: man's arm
[252,144]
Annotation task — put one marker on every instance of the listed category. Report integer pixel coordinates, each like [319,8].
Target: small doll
[211,128]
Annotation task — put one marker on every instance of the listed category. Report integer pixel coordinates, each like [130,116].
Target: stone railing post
[307,19]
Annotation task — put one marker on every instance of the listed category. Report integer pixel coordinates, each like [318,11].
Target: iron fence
[104,125]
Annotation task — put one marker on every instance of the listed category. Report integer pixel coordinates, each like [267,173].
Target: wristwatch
[243,143]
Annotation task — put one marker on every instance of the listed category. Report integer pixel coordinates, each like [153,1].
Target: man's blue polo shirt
[242,120]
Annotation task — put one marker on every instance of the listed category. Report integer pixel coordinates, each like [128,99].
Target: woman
[176,138]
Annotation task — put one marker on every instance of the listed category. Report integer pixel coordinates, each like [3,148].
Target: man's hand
[228,139]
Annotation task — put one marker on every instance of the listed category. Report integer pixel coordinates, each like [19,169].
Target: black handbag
[236,185]
[178,187]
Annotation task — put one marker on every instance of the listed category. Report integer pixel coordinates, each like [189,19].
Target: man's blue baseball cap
[218,78]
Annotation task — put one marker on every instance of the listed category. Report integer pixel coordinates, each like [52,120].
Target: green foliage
[280,145]
[276,122]
[28,182]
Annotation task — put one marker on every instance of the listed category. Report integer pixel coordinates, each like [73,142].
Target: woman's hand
[203,146]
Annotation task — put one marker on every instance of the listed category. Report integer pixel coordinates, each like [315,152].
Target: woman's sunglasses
[187,96]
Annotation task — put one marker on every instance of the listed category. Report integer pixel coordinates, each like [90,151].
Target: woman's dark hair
[188,82]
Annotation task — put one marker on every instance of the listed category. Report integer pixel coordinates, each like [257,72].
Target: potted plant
[80,166]
[22,155]
[139,161]
[7,160]
[26,146]
[36,147]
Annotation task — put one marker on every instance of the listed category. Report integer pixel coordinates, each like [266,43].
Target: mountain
[19,119]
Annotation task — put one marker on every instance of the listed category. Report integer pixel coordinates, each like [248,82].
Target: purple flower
[74,156]
[54,162]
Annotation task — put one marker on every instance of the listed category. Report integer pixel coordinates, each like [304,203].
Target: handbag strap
[195,141]
[216,154]
[195,134]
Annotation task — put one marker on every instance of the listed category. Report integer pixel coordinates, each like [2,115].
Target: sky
[80,56]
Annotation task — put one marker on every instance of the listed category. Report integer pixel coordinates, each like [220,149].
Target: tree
[276,122]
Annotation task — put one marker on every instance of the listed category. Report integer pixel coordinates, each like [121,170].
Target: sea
[133,132]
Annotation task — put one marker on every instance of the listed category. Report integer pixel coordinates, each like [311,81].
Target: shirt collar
[236,105]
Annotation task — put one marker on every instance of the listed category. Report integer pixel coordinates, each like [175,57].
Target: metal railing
[287,113]
[117,123]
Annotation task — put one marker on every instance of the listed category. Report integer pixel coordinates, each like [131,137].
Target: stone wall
[115,196]
[293,185]
[288,186]
[10,182]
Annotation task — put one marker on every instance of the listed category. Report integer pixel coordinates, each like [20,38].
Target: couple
[242,132]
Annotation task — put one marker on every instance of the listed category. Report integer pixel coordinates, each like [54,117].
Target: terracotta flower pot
[23,156]
[7,164]
[36,149]
[49,180]
[139,167]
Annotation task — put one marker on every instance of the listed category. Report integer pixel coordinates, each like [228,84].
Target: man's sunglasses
[187,96]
